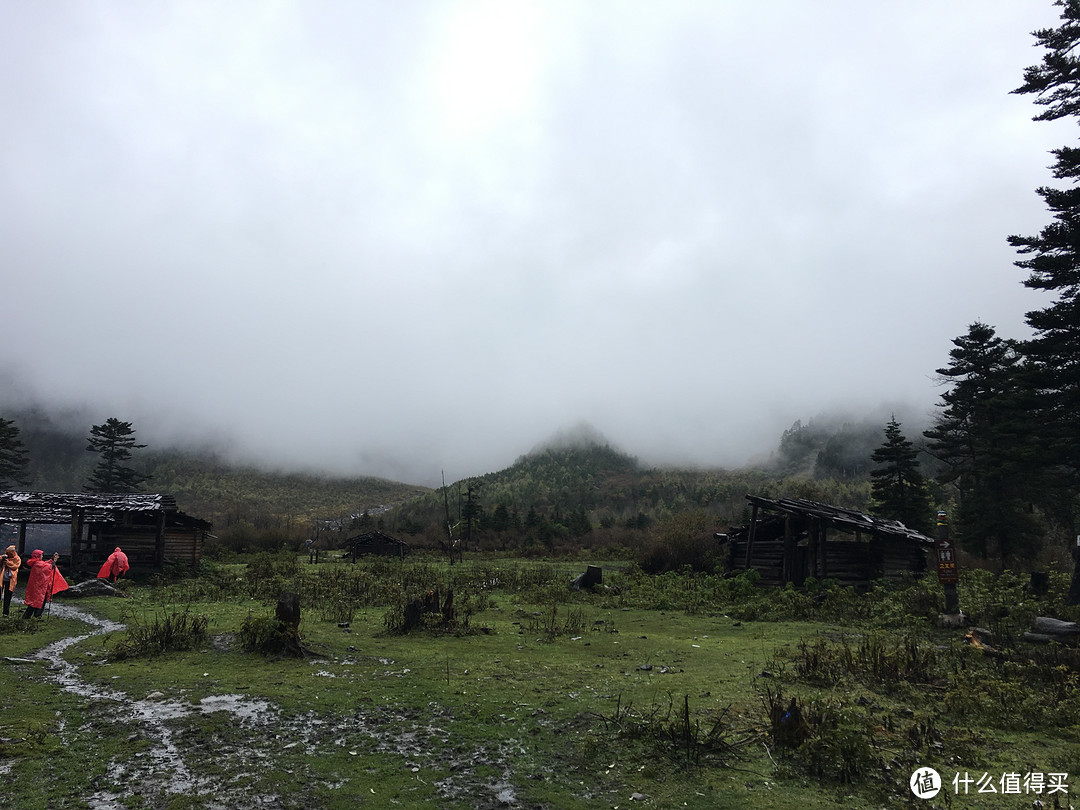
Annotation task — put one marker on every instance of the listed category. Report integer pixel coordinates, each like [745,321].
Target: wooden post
[159,541]
[1073,597]
[76,536]
[789,552]
[823,546]
[72,535]
[751,536]
[868,566]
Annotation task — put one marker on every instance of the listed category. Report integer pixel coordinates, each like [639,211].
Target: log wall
[850,562]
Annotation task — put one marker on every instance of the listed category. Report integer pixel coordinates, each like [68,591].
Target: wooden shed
[148,527]
[376,542]
[791,539]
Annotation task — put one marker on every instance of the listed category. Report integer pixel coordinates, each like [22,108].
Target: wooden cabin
[376,542]
[149,528]
[791,539]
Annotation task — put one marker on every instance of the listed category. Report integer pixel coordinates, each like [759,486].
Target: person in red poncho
[115,566]
[45,580]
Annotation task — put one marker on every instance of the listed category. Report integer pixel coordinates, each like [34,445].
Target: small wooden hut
[148,527]
[376,542]
[791,539]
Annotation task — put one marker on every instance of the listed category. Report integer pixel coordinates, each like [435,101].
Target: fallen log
[1045,630]
[93,587]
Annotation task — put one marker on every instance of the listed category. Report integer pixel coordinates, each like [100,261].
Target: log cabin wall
[848,561]
[147,546]
[795,539]
[377,543]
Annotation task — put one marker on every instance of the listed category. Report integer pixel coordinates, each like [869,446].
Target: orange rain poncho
[44,581]
[12,561]
[115,566]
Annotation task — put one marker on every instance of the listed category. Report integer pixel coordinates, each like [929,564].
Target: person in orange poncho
[45,580]
[115,566]
[11,562]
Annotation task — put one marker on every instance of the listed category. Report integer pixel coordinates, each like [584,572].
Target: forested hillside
[206,485]
[590,494]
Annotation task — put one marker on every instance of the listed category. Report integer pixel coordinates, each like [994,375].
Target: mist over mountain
[824,445]
[560,489]
[420,460]
[580,436]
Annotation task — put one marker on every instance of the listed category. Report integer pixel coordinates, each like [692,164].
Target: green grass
[554,699]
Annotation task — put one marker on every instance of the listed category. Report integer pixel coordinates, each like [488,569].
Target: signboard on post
[948,575]
[946,552]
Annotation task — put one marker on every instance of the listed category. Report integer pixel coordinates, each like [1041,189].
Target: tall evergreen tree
[1054,254]
[114,440]
[13,456]
[983,437]
[898,489]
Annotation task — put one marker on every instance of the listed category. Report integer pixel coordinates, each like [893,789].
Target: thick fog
[399,238]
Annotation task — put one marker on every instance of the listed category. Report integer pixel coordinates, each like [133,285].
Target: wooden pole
[751,536]
[824,550]
[159,541]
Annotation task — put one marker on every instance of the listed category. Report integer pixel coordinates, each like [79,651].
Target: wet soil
[227,764]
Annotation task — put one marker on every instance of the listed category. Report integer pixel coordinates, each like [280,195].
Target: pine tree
[898,489]
[983,436]
[13,456]
[1054,255]
[114,441]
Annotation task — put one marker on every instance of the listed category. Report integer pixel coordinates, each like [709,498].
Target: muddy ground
[235,752]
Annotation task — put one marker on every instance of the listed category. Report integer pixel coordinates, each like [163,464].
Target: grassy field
[673,691]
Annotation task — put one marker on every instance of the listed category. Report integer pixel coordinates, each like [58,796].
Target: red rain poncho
[44,581]
[115,566]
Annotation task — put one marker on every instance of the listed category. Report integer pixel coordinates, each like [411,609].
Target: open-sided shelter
[791,539]
[148,527]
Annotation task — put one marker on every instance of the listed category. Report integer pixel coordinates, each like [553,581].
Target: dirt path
[164,770]
[229,777]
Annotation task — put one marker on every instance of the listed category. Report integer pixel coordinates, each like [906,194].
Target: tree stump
[594,575]
[288,609]
[1039,583]
[288,614]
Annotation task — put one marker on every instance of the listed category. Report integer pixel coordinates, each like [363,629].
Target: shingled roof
[849,520]
[58,507]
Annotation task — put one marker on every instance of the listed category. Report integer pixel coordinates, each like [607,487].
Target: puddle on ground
[163,768]
[240,706]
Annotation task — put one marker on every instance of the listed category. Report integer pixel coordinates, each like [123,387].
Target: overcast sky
[400,237]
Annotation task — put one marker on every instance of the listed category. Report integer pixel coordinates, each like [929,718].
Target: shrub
[685,541]
[269,635]
[17,624]
[167,632]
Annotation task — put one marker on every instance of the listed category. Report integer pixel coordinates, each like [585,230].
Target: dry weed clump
[679,736]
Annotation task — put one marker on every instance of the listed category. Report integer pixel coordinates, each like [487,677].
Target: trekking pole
[48,596]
